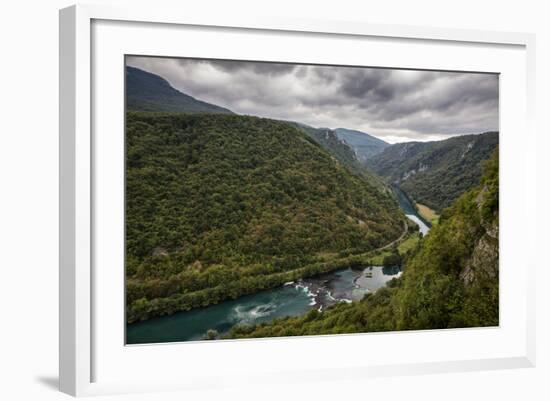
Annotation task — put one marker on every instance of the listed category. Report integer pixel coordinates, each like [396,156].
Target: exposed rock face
[160,251]
[435,173]
[484,260]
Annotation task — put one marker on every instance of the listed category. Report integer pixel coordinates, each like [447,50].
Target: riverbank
[292,299]
[428,214]
[409,206]
[145,309]
[408,243]
[322,284]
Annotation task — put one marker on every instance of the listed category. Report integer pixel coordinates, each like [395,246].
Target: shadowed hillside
[149,92]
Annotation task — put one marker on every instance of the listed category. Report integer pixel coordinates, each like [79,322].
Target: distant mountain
[363,144]
[435,173]
[150,92]
[329,141]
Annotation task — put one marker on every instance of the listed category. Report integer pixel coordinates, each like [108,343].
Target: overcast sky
[394,105]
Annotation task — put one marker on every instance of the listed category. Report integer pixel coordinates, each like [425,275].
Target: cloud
[396,105]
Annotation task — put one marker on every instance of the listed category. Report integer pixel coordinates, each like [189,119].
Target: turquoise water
[410,211]
[250,309]
[404,201]
[423,228]
[293,299]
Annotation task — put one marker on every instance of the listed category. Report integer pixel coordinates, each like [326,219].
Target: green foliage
[219,206]
[331,140]
[328,140]
[435,173]
[432,292]
[212,334]
[393,259]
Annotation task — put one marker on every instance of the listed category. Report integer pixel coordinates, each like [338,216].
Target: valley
[291,299]
[241,226]
[435,173]
[450,280]
[237,205]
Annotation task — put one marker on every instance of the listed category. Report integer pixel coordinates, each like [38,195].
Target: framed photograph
[275,200]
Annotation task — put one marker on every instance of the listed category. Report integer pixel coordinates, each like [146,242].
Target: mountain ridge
[364,145]
[146,91]
[435,173]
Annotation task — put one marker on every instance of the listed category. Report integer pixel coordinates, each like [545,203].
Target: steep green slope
[435,173]
[450,280]
[223,205]
[364,145]
[329,140]
[150,92]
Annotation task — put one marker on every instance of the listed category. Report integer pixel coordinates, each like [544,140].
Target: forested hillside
[450,280]
[221,205]
[435,173]
[364,145]
[330,141]
[149,92]
[152,93]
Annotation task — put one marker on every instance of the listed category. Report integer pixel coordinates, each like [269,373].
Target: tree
[392,260]
[212,334]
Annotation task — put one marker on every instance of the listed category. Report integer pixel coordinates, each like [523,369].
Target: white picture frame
[83,349]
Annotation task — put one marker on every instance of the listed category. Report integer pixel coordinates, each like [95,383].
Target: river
[409,210]
[292,299]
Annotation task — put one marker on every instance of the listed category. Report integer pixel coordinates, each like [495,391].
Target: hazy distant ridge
[363,144]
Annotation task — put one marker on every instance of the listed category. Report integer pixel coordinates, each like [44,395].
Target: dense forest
[330,140]
[435,173]
[450,280]
[221,205]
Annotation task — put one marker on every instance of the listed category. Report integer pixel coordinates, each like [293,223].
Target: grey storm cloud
[268,69]
[394,104]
